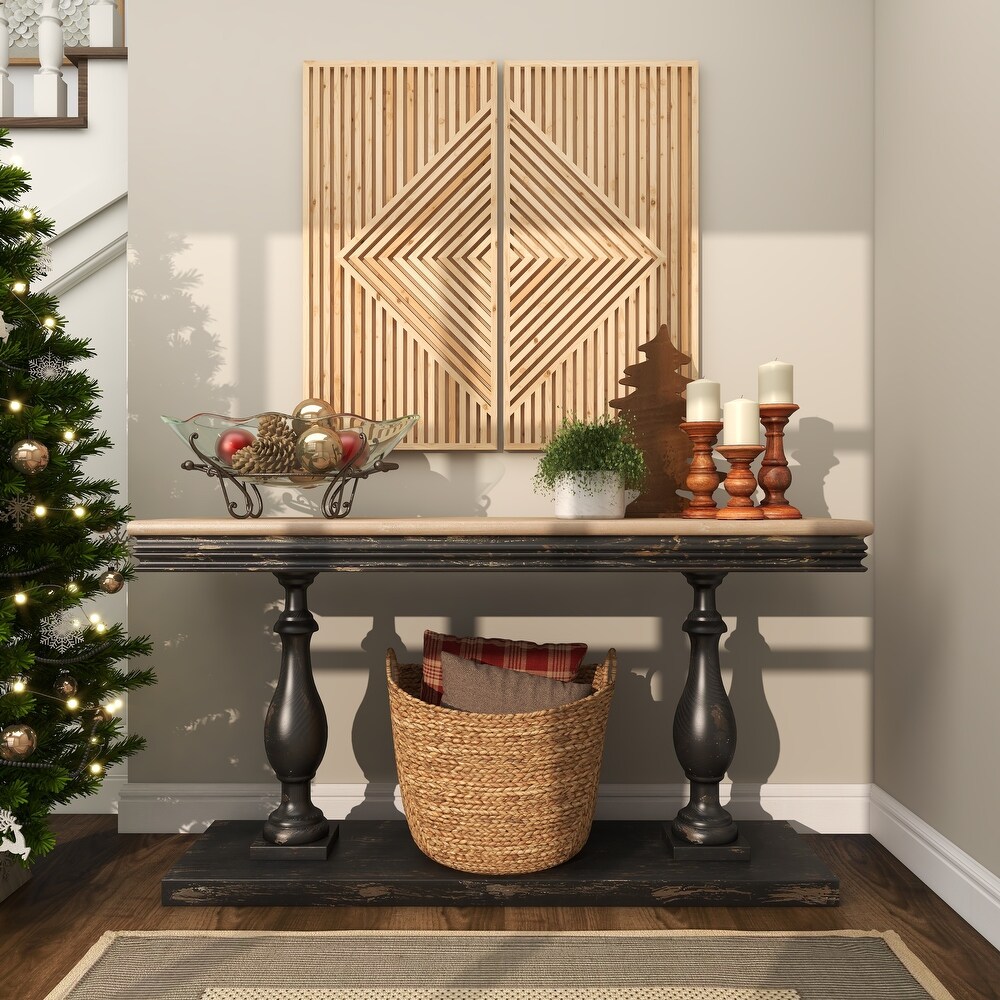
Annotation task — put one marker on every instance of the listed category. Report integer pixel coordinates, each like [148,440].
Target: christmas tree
[655,409]
[62,542]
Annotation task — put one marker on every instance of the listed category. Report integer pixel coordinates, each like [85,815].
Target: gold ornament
[29,456]
[17,742]
[310,413]
[112,581]
[65,684]
[319,450]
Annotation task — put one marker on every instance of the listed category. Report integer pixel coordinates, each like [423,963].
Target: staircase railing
[50,97]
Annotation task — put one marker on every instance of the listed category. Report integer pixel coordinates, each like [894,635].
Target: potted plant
[587,467]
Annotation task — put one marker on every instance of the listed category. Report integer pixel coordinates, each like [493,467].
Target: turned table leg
[704,724]
[295,727]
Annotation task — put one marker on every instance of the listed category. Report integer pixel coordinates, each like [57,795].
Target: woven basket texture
[498,794]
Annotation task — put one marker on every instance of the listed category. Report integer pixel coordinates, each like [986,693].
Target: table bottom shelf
[376,863]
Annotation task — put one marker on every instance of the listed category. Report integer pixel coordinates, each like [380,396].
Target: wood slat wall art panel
[400,238]
[600,234]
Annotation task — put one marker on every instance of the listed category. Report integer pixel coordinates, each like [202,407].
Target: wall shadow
[812,447]
[758,745]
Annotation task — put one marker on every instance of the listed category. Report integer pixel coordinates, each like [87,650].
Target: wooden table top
[509,527]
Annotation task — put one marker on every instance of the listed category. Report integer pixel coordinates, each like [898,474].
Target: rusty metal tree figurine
[656,408]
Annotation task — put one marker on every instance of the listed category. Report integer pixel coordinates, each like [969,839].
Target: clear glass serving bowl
[202,432]
[374,441]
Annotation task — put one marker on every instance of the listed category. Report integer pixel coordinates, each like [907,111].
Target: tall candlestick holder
[775,476]
[740,483]
[703,477]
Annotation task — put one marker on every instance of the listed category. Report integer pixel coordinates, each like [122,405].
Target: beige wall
[215,324]
[937,352]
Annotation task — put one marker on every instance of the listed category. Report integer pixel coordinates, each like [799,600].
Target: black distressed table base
[376,863]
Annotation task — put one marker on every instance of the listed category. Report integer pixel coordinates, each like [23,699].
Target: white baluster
[50,87]
[105,24]
[6,87]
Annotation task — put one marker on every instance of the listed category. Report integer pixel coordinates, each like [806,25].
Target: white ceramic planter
[590,494]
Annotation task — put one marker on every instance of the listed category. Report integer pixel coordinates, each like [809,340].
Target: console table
[299,857]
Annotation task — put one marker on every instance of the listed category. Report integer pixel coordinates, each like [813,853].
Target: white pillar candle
[703,401]
[741,422]
[774,382]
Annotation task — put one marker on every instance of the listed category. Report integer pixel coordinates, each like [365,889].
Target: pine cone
[273,425]
[274,454]
[244,461]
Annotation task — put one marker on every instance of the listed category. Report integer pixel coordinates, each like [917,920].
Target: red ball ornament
[354,444]
[231,441]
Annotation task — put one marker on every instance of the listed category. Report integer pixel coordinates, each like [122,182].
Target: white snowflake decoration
[48,367]
[19,510]
[6,329]
[59,634]
[8,824]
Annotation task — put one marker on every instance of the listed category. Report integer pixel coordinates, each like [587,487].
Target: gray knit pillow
[479,687]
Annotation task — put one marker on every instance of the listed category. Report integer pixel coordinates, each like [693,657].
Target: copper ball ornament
[319,450]
[112,581]
[65,684]
[29,456]
[17,742]
[310,413]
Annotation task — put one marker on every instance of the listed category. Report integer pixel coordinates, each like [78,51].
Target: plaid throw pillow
[559,661]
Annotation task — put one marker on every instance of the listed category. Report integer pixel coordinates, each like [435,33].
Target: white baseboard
[190,807]
[969,888]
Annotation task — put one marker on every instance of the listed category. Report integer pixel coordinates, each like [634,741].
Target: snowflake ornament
[6,329]
[48,367]
[59,634]
[19,511]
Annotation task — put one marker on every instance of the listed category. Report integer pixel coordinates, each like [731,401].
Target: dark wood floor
[98,880]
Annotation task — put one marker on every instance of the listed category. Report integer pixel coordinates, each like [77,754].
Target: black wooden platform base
[376,863]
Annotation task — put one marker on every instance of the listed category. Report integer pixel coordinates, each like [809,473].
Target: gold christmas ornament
[319,450]
[29,457]
[65,684]
[112,581]
[17,742]
[309,412]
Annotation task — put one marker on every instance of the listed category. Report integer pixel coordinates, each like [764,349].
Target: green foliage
[55,560]
[605,445]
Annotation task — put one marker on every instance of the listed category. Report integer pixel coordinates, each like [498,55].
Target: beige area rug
[505,965]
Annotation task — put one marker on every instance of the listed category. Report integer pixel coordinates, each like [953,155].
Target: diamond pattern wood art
[601,232]
[401,245]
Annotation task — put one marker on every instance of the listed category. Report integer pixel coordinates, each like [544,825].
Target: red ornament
[231,441]
[352,442]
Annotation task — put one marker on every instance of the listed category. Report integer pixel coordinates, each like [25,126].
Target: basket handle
[391,667]
[611,663]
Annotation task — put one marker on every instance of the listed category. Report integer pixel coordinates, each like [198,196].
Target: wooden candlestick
[774,476]
[740,483]
[703,477]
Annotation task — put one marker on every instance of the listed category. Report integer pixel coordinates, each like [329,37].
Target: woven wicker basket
[498,794]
